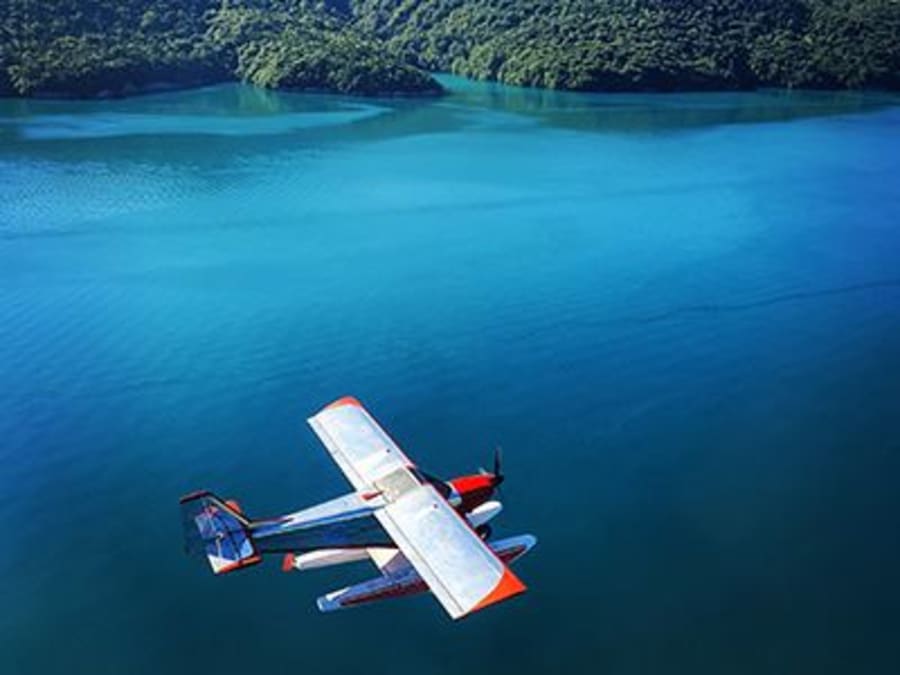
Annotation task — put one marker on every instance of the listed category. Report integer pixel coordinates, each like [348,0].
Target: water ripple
[706,309]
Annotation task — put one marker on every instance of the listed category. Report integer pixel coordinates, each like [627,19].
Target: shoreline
[161,87]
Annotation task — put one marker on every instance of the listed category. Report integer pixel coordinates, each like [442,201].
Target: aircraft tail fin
[218,530]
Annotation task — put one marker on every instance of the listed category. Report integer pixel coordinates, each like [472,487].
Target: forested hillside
[297,46]
[115,47]
[86,47]
[648,44]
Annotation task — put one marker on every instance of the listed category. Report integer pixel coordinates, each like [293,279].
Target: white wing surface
[361,448]
[461,571]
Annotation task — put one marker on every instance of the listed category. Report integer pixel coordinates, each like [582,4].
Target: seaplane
[422,533]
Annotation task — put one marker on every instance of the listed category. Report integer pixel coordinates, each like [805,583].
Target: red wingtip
[509,585]
[346,400]
[288,563]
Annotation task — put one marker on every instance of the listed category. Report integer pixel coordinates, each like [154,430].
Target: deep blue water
[679,315]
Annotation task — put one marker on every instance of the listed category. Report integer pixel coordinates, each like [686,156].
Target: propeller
[497,473]
[498,469]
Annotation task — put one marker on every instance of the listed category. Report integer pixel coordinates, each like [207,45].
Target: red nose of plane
[476,489]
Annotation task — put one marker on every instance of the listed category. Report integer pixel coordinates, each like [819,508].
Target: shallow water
[679,315]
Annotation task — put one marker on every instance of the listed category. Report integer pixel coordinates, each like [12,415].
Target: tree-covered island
[87,48]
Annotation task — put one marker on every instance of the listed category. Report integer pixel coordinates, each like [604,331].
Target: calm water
[679,315]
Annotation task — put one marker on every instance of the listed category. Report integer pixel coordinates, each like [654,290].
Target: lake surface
[679,315]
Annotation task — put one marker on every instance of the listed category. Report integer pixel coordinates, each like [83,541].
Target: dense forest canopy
[85,47]
[91,47]
[648,44]
[114,47]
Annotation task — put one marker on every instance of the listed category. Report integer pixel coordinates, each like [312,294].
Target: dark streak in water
[719,308]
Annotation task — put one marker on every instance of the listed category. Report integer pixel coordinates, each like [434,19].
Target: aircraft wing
[459,568]
[361,448]
[454,562]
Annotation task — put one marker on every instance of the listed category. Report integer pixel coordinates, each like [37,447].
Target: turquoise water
[679,315]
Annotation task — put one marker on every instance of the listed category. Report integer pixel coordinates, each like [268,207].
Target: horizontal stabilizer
[219,531]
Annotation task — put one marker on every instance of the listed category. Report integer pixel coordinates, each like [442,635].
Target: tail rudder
[218,530]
